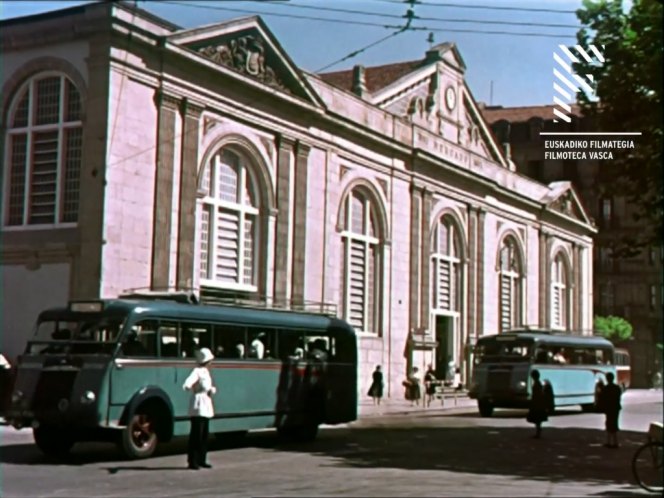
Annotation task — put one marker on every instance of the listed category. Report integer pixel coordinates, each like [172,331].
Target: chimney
[359,82]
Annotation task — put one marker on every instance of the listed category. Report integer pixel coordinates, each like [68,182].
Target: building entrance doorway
[445,347]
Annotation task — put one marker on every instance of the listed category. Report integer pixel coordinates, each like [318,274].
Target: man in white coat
[201,409]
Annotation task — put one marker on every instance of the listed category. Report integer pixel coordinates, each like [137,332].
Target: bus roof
[550,338]
[202,312]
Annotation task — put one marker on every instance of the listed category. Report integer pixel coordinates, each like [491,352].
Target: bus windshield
[505,351]
[85,335]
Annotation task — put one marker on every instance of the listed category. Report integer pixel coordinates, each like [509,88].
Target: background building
[137,154]
[630,287]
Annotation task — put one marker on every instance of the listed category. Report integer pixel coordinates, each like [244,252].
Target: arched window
[361,263]
[446,266]
[229,225]
[560,293]
[44,144]
[510,276]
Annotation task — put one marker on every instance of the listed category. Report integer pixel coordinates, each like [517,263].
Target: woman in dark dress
[537,412]
[376,389]
[430,384]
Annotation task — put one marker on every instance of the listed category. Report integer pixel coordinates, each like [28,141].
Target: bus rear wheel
[139,439]
[485,408]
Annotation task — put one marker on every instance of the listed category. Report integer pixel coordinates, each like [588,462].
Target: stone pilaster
[425,245]
[543,287]
[481,221]
[471,275]
[86,269]
[416,201]
[163,198]
[283,228]
[300,222]
[577,289]
[191,114]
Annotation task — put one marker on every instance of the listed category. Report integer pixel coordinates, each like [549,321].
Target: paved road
[421,453]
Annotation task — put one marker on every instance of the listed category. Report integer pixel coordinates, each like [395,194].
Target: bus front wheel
[53,441]
[139,439]
[485,408]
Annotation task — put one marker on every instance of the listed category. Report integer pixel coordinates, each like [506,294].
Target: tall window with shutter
[361,267]
[446,266]
[228,224]
[44,144]
[560,293]
[510,276]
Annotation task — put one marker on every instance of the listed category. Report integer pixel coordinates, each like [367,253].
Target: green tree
[616,329]
[629,88]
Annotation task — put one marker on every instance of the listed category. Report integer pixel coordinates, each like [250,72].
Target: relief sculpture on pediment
[246,55]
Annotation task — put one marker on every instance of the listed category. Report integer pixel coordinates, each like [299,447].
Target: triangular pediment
[247,47]
[434,96]
[563,199]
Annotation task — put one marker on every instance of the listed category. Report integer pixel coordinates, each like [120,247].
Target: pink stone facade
[394,206]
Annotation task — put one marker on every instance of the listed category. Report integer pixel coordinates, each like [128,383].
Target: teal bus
[572,368]
[113,370]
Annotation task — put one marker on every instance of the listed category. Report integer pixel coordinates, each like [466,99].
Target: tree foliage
[616,329]
[629,88]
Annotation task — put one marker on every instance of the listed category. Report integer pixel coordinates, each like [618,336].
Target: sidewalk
[397,405]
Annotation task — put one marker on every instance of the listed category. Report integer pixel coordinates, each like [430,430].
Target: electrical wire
[359,51]
[487,7]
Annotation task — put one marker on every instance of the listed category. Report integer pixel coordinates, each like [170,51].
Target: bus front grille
[52,387]
[499,381]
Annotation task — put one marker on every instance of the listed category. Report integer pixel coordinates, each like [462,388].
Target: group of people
[413,385]
[609,404]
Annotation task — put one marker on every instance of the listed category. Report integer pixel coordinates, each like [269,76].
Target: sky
[502,69]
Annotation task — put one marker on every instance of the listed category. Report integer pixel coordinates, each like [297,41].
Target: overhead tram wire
[487,7]
[410,15]
[421,18]
[364,23]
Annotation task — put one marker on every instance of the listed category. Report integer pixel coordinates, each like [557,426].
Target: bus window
[168,339]
[317,346]
[291,344]
[262,343]
[230,341]
[141,340]
[195,336]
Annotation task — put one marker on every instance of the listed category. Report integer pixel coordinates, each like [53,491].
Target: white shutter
[555,305]
[357,284]
[204,250]
[248,252]
[505,302]
[443,285]
[227,250]
[44,177]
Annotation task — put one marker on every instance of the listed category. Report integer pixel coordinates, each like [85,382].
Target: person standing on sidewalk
[609,401]
[376,388]
[537,412]
[415,387]
[201,409]
[430,382]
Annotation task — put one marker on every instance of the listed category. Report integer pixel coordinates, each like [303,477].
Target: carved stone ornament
[245,55]
[565,204]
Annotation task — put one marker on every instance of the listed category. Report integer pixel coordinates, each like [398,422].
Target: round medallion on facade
[450,98]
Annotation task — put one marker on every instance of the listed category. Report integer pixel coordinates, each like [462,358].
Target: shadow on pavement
[569,454]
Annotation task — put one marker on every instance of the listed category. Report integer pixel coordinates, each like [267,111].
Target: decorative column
[191,114]
[163,198]
[283,240]
[300,223]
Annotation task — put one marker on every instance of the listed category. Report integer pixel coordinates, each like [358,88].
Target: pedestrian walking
[609,401]
[537,411]
[201,409]
[376,388]
[430,383]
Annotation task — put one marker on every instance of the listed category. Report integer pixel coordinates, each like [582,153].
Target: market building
[140,155]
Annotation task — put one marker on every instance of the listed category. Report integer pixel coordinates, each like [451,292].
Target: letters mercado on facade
[137,154]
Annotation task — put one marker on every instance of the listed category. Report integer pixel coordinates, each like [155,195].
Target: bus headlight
[521,385]
[88,397]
